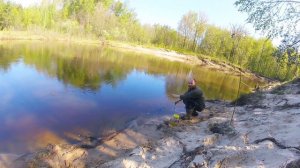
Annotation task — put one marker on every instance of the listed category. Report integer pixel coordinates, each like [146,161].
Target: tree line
[114,20]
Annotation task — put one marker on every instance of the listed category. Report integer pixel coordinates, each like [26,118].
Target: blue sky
[219,12]
[222,13]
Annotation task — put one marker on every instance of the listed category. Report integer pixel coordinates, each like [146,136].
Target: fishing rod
[176,116]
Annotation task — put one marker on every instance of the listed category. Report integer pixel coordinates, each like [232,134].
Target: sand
[275,114]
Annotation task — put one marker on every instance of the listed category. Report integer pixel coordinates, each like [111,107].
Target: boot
[195,113]
[188,115]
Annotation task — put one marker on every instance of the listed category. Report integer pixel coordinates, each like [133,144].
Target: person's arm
[175,95]
[184,96]
[177,101]
[181,97]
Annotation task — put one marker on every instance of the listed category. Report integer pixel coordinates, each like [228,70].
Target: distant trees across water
[114,20]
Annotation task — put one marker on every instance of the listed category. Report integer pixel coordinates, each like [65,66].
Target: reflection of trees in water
[176,84]
[218,85]
[88,67]
[7,56]
[80,66]
[215,84]
[84,66]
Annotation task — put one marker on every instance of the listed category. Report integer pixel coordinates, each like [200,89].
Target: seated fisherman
[193,100]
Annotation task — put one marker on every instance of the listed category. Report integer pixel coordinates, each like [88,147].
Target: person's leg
[189,113]
[195,113]
[191,108]
[199,109]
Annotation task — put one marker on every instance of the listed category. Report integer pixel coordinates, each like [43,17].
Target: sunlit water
[51,92]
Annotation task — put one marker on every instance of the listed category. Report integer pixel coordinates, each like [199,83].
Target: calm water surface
[51,92]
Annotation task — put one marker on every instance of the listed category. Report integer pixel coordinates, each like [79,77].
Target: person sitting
[193,100]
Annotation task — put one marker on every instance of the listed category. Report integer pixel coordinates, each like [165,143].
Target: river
[52,91]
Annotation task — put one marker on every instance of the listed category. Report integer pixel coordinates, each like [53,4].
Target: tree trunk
[195,37]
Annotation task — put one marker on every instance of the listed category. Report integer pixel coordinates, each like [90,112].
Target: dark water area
[51,92]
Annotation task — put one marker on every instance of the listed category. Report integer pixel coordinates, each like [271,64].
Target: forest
[113,20]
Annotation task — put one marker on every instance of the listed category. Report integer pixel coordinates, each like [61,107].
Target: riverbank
[199,60]
[264,133]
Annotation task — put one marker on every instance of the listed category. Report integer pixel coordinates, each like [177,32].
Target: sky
[221,13]
[26,3]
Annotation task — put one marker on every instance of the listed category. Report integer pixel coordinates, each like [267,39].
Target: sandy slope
[274,114]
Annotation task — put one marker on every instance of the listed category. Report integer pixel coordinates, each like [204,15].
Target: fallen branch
[293,164]
[288,106]
[276,143]
[187,157]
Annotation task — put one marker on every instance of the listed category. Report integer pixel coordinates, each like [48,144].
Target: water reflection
[49,93]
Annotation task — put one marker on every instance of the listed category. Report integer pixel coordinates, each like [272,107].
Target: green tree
[81,10]
[276,18]
[9,14]
[279,19]
[217,42]
[192,26]
[164,36]
[238,33]
[103,22]
[186,27]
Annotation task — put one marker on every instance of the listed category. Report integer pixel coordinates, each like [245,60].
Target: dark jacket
[193,98]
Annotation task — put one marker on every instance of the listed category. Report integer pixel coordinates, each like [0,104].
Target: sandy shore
[265,133]
[190,59]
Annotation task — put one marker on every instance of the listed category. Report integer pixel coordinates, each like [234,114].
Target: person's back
[193,100]
[194,96]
